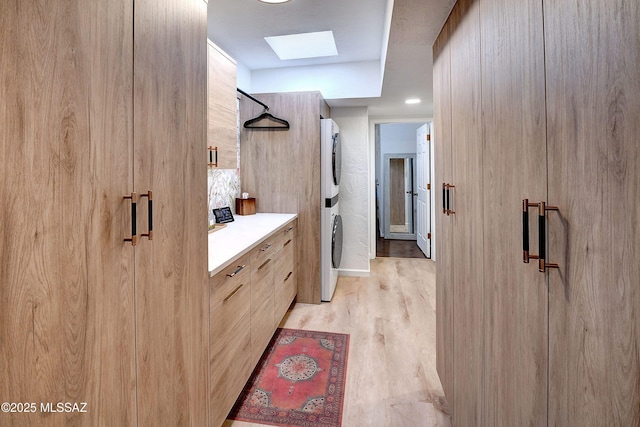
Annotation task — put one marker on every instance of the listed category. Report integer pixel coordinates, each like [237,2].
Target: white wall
[334,81]
[354,188]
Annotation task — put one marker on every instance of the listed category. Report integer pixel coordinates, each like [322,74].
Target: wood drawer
[288,232]
[264,251]
[285,291]
[230,336]
[231,366]
[262,326]
[262,281]
[233,274]
[285,259]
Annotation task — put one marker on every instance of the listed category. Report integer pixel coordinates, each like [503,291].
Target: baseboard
[354,273]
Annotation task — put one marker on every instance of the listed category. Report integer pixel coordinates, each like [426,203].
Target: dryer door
[336,159]
[336,242]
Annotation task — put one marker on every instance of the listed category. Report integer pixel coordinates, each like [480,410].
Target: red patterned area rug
[299,381]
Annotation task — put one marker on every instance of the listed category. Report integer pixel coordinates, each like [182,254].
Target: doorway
[396,190]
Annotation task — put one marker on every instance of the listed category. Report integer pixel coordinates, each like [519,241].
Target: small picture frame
[223,215]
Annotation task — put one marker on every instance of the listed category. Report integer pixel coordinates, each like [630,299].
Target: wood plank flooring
[391,371]
[398,248]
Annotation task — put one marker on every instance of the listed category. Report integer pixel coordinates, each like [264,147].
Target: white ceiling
[360,29]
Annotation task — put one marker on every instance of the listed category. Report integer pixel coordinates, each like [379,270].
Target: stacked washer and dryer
[331,222]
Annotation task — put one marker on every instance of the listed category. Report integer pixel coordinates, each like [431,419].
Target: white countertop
[240,236]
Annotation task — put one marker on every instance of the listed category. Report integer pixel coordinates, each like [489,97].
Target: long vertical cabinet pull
[526,256]
[134,233]
[444,198]
[149,197]
[542,234]
[447,199]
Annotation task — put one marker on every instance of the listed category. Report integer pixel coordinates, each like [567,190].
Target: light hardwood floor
[391,371]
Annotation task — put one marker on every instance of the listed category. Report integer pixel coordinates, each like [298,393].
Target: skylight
[305,45]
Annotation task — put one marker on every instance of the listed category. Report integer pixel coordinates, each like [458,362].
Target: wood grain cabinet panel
[222,111]
[289,178]
[558,89]
[285,278]
[229,337]
[66,276]
[262,298]
[444,256]
[516,298]
[593,137]
[101,99]
[466,222]
[169,98]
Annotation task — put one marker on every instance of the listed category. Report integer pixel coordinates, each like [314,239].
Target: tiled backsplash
[224,188]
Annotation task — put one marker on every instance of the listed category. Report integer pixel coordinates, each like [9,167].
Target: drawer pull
[288,275]
[263,264]
[267,246]
[288,229]
[286,243]
[238,270]
[235,291]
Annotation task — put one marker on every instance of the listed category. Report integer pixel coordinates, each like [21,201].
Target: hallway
[391,372]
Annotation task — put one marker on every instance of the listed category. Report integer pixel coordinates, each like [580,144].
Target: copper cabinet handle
[266,247]
[448,210]
[526,256]
[444,198]
[231,295]
[238,270]
[149,196]
[288,229]
[211,162]
[542,233]
[264,263]
[134,211]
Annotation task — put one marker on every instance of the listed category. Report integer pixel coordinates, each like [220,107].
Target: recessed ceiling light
[274,1]
[305,45]
[413,101]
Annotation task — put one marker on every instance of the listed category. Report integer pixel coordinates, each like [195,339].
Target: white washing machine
[331,222]
[330,158]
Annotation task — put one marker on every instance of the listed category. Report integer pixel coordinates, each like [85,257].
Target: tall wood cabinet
[98,101]
[593,140]
[289,173]
[558,122]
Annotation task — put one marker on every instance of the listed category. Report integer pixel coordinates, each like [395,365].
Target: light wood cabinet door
[515,295]
[285,273]
[66,276]
[172,300]
[262,297]
[467,221]
[222,111]
[593,93]
[229,337]
[444,254]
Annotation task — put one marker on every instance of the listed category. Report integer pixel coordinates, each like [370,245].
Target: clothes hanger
[281,124]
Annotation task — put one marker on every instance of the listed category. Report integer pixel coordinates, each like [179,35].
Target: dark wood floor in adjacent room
[398,248]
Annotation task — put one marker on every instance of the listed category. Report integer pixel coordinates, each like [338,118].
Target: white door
[423,217]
